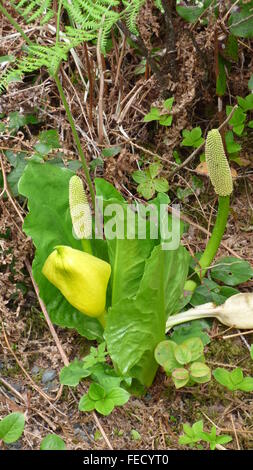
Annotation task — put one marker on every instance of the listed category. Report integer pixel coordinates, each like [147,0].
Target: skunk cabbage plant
[146,281]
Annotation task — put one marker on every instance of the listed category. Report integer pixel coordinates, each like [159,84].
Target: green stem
[58,21]
[216,237]
[76,139]
[86,245]
[15,24]
[213,244]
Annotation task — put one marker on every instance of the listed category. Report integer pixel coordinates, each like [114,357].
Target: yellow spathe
[81,278]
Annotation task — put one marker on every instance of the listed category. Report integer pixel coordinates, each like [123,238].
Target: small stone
[51,386]
[48,376]
[35,370]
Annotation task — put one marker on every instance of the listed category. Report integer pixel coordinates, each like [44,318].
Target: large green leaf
[127,257]
[135,326]
[49,224]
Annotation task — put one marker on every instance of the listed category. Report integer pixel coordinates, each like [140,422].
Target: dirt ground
[29,358]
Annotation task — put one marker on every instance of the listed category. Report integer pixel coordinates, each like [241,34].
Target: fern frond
[159,5]
[37,57]
[93,15]
[132,11]
[34,9]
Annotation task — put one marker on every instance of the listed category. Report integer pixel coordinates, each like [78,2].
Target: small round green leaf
[183,354]
[180,377]
[195,346]
[200,372]
[164,355]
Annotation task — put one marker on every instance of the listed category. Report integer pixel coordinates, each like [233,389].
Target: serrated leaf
[147,189]
[139,176]
[72,374]
[105,406]
[96,392]
[154,169]
[111,151]
[161,185]
[118,395]
[166,120]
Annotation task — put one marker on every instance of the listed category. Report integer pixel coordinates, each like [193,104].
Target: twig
[241,21]
[101,90]
[235,433]
[35,386]
[197,150]
[237,334]
[89,72]
[44,311]
[229,11]
[186,219]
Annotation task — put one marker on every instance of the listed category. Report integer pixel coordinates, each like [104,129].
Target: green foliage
[155,299]
[37,56]
[192,138]
[72,374]
[233,380]
[194,329]
[131,11]
[241,21]
[237,121]
[18,120]
[231,144]
[195,434]
[18,163]
[52,442]
[192,12]
[189,353]
[103,401]
[232,271]
[12,427]
[163,117]
[148,181]
[210,291]
[32,10]
[111,151]
[135,435]
[250,83]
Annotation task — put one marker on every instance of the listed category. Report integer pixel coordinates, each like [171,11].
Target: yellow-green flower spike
[217,164]
[79,209]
